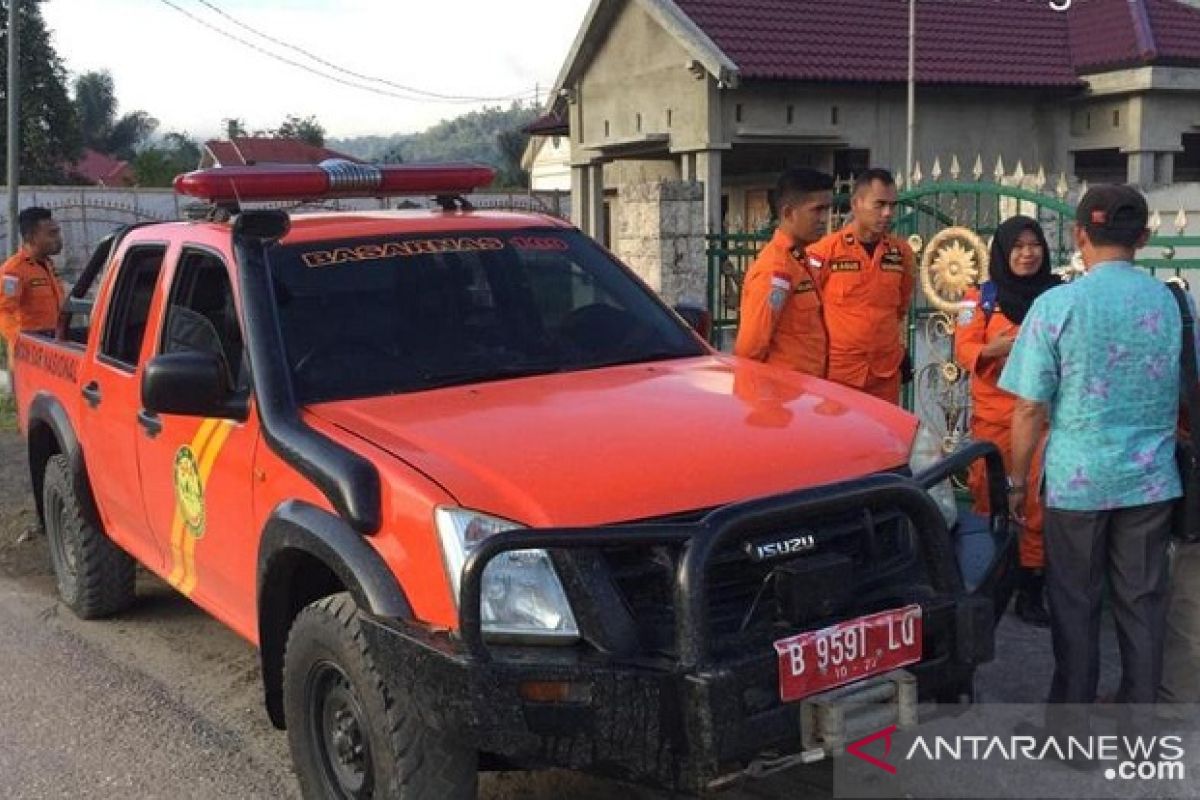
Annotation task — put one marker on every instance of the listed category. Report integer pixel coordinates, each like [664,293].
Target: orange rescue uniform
[780,320]
[30,296]
[991,416]
[866,300]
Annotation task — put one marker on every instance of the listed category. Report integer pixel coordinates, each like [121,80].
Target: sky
[190,77]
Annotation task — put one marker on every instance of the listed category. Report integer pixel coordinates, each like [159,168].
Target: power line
[308,68]
[352,73]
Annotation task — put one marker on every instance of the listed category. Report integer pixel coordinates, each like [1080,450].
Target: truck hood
[631,442]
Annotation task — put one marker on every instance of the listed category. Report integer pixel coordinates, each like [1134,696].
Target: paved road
[165,702]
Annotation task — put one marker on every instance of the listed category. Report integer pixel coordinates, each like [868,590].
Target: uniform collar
[788,244]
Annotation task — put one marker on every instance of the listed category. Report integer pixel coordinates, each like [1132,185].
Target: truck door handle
[91,393]
[150,422]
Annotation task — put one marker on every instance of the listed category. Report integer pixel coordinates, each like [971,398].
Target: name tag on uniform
[892,261]
[846,265]
[12,285]
[36,282]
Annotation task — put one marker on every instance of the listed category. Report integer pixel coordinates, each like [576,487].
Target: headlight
[927,451]
[521,595]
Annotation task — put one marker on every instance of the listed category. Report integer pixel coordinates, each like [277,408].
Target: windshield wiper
[438,379]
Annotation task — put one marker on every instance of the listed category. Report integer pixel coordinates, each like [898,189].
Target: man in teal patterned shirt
[1100,358]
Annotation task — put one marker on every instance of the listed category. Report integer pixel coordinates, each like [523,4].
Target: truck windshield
[368,317]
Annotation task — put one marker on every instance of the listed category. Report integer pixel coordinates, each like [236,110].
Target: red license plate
[814,661]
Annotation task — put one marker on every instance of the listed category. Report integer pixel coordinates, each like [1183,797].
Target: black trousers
[1128,547]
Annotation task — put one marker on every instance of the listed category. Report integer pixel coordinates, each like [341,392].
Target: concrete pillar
[595,202]
[579,197]
[1164,169]
[708,172]
[1141,169]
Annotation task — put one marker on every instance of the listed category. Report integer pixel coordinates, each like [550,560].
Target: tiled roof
[972,42]
[247,150]
[549,124]
[102,170]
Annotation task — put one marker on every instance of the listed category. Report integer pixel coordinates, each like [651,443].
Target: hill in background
[491,136]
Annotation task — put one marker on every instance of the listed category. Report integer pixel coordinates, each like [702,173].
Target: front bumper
[684,719]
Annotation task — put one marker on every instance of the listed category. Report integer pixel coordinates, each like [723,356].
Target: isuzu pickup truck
[483,502]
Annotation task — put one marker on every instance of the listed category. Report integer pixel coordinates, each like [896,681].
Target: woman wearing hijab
[987,327]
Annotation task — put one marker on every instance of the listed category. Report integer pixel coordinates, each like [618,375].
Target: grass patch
[8,412]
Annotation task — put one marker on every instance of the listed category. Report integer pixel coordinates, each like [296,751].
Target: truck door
[197,472]
[111,385]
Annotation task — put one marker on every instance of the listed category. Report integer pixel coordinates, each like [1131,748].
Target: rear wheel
[95,577]
[350,736]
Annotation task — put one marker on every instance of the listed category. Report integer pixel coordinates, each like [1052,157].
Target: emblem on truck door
[778,548]
[189,491]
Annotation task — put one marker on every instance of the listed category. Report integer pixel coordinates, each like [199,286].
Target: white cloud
[190,78]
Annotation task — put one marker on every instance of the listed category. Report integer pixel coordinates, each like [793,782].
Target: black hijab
[1014,293]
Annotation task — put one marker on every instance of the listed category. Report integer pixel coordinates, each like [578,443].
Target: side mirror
[698,317]
[191,384]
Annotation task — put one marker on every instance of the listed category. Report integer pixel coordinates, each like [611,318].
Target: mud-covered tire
[95,577]
[350,735]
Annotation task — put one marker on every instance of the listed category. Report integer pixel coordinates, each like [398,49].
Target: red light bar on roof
[334,178]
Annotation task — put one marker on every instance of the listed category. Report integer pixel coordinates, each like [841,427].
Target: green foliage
[306,129]
[158,165]
[49,132]
[491,136]
[96,107]
[234,127]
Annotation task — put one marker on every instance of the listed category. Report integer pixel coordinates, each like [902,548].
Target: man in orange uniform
[1019,271]
[866,277]
[30,292]
[781,306]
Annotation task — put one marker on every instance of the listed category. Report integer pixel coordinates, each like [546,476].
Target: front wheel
[350,736]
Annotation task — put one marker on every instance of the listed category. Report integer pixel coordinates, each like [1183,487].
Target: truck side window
[201,314]
[126,324]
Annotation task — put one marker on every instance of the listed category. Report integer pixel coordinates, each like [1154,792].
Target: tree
[306,129]
[96,106]
[158,165]
[49,126]
[234,127]
[511,144]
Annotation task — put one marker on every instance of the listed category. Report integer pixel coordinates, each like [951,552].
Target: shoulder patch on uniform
[781,280]
[12,285]
[779,296]
[815,262]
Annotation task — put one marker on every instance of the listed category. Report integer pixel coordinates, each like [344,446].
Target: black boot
[1030,605]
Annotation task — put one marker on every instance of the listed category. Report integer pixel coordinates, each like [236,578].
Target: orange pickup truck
[483,502]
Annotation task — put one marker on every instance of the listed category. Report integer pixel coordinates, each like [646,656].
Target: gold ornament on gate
[954,261]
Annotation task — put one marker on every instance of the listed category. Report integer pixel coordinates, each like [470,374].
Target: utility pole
[14,96]
[912,88]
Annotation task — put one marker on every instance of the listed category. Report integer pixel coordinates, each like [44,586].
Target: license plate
[814,661]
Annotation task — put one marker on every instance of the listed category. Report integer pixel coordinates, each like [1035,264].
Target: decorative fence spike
[1155,222]
[977,170]
[999,173]
[1083,188]
[1039,182]
[936,172]
[1062,188]
[900,181]
[916,176]
[1181,222]
[955,169]
[1019,172]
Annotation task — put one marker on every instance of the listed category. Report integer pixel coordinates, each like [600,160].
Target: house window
[791,114]
[1187,163]
[1108,165]
[669,117]
[850,162]
[606,129]
[833,115]
[738,112]
[1116,118]
[638,122]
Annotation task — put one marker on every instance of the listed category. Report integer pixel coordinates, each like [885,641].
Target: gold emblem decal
[189,491]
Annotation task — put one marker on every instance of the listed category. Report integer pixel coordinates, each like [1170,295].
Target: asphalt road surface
[165,702]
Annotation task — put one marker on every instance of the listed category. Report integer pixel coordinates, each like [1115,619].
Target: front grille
[741,603]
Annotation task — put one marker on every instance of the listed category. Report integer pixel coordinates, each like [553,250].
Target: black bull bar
[728,524]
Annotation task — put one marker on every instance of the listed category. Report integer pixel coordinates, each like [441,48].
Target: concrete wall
[660,235]
[639,71]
